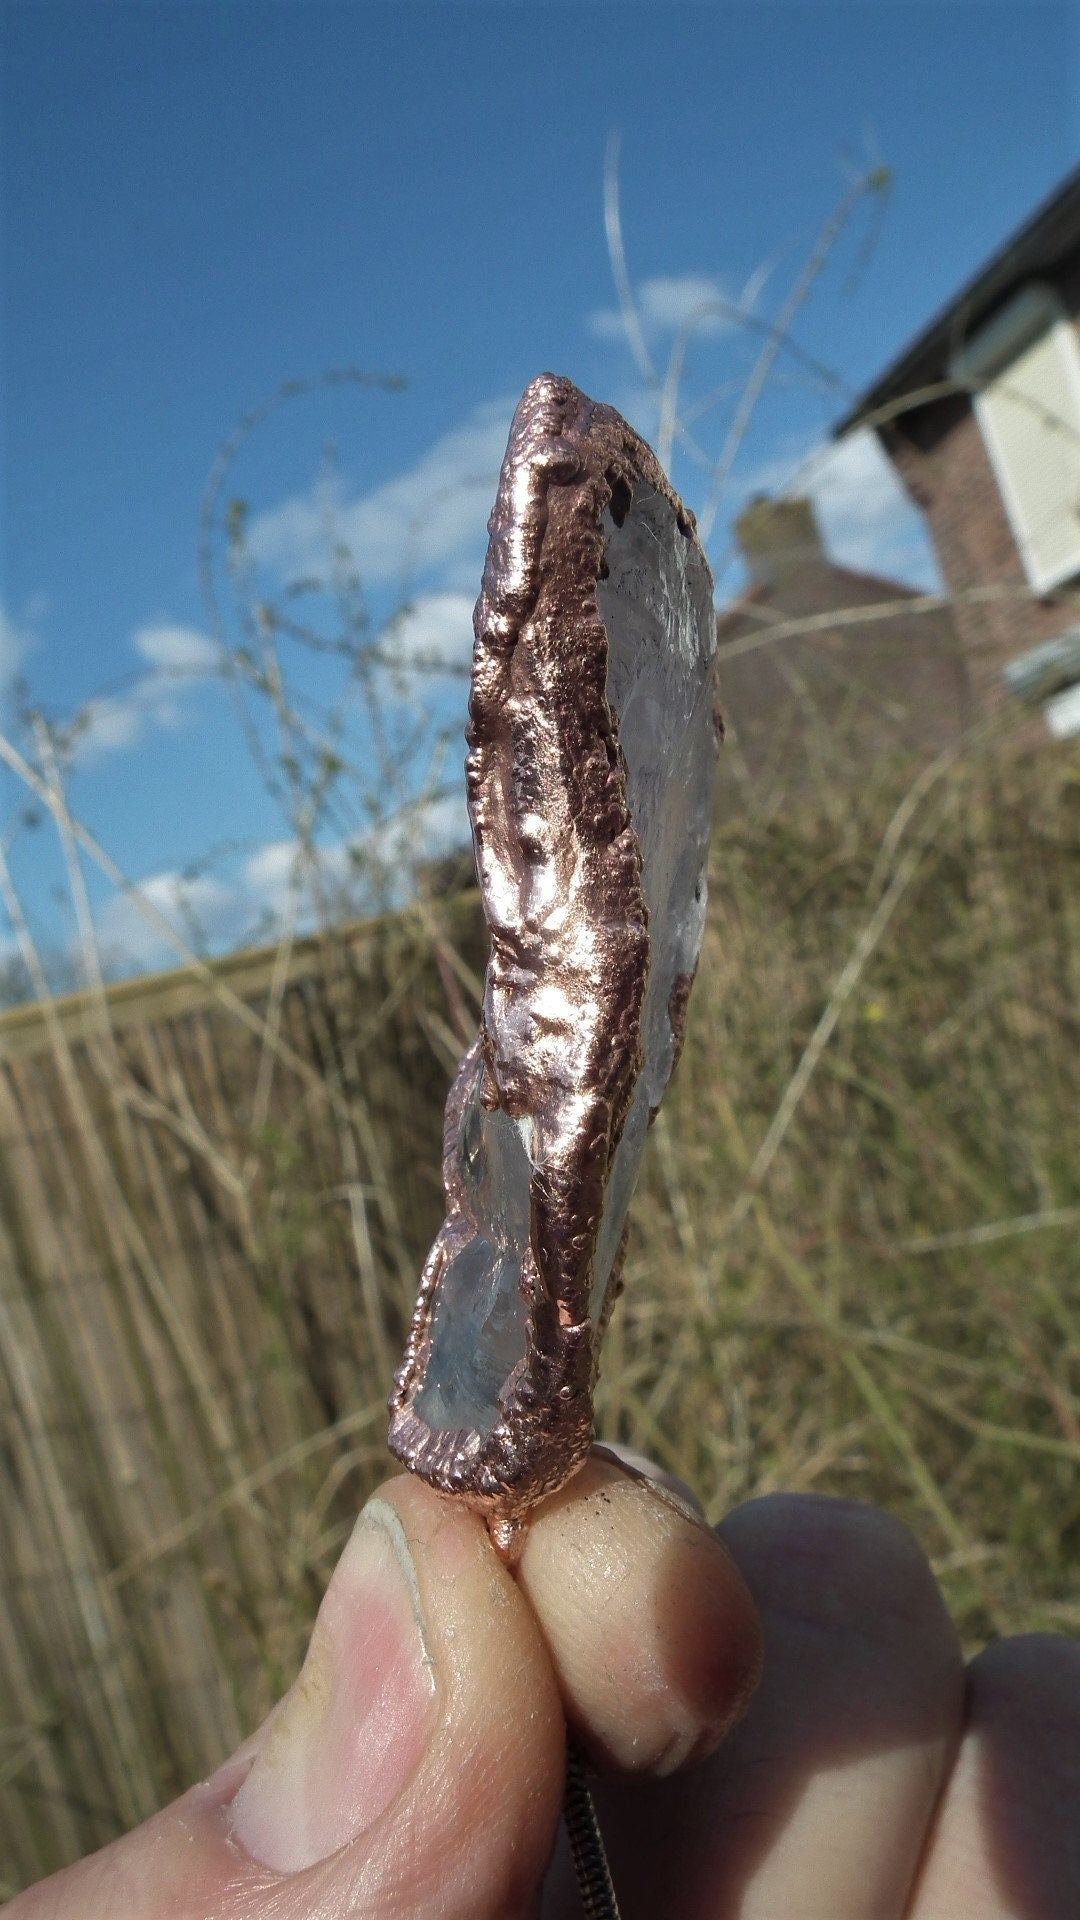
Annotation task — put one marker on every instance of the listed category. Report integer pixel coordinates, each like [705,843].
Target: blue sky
[202,198]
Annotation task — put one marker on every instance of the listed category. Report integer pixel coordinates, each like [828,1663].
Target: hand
[416,1766]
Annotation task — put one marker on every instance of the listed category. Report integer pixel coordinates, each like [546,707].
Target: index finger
[818,1805]
[650,1625]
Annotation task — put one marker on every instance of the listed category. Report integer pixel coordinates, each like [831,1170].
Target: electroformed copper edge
[544,742]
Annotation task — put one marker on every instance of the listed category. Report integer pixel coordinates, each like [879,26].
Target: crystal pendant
[592,752]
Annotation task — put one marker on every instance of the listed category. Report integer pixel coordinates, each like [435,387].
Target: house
[980,416]
[813,680]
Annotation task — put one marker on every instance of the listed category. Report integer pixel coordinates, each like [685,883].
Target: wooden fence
[215,1191]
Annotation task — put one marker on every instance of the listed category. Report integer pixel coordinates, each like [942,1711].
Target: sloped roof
[1045,242]
[808,586]
[850,691]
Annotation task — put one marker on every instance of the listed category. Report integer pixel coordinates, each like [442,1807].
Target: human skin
[855,1772]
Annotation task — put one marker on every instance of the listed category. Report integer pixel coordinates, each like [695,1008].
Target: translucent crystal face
[478,1328]
[656,605]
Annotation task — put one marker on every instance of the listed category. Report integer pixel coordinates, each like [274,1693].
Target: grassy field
[853,1266]
[859,1270]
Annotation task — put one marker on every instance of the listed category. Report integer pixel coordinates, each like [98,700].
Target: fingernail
[353,1728]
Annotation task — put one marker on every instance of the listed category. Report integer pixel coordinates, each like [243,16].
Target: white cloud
[437,827]
[665,303]
[180,896]
[270,872]
[279,879]
[867,519]
[382,858]
[178,651]
[106,725]
[204,911]
[430,516]
[179,658]
[434,629]
[214,915]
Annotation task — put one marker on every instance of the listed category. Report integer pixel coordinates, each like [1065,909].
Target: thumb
[423,1728]
[414,1768]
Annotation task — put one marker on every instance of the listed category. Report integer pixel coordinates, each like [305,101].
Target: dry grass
[206,1269]
[887,1306]
[855,1269]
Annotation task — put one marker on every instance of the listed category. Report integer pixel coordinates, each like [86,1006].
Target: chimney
[775,535]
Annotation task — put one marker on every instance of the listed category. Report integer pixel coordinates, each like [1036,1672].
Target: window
[1024,370]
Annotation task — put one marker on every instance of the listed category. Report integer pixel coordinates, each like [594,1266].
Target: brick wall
[939,453]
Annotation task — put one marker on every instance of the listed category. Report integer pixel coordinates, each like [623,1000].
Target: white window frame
[1036,310]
